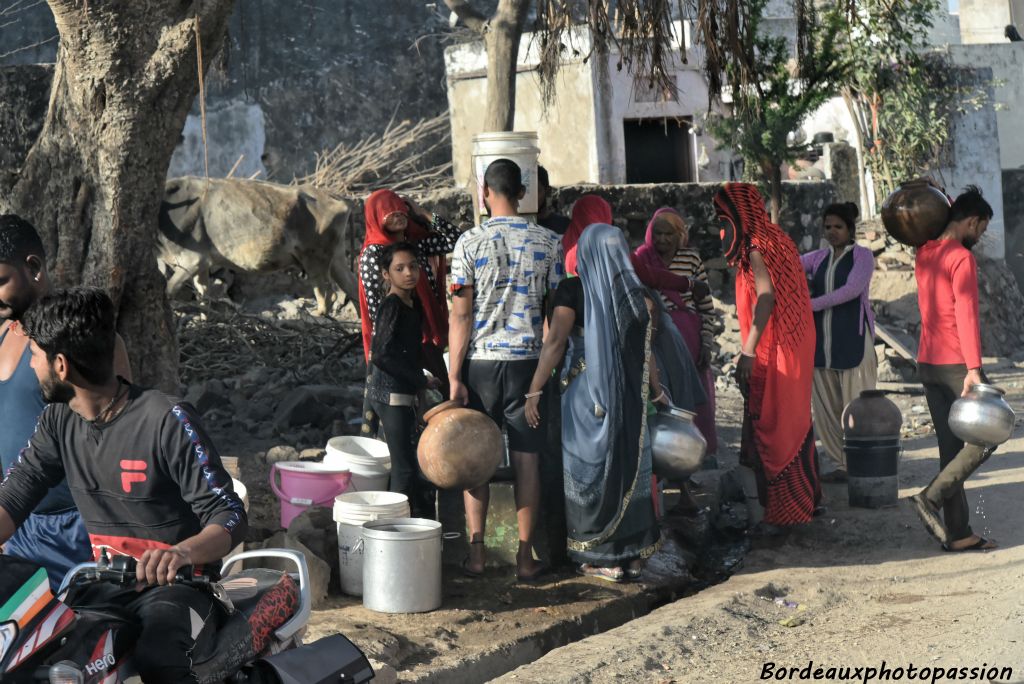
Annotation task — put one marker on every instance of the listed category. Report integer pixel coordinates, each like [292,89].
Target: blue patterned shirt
[511,264]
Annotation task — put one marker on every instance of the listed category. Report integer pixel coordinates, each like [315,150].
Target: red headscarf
[379,206]
[587,211]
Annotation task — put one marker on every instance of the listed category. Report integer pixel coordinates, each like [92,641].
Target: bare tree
[501,33]
[127,74]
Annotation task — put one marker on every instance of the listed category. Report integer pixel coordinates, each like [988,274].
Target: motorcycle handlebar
[121,570]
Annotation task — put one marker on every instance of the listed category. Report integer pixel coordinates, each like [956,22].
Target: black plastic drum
[873,469]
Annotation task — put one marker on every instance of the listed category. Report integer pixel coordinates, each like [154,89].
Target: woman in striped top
[666,263]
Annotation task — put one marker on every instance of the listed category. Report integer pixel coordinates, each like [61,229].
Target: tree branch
[468,14]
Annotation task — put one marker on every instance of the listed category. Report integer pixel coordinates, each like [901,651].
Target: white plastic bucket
[519,146]
[367,459]
[402,565]
[351,510]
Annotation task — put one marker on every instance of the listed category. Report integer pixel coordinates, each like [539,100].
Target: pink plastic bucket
[304,485]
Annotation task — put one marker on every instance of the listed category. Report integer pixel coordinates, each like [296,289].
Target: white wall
[232,131]
[1007,63]
[983,21]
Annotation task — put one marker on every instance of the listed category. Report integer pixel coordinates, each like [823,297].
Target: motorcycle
[44,640]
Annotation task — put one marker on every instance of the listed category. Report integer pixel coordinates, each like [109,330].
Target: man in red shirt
[949,362]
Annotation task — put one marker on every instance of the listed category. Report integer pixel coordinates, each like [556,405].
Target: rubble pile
[271,372]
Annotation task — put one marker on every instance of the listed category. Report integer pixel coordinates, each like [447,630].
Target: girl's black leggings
[400,431]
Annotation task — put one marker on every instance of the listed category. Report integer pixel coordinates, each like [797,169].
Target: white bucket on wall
[367,459]
[351,510]
[519,146]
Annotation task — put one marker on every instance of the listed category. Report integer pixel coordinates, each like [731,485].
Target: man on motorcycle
[144,475]
[54,535]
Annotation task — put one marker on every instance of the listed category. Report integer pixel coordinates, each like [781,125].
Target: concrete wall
[581,136]
[983,21]
[566,130]
[975,140]
[1006,62]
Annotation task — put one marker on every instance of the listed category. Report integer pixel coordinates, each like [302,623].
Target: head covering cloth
[588,210]
[379,206]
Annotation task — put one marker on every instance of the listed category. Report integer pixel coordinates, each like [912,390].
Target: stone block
[319,570]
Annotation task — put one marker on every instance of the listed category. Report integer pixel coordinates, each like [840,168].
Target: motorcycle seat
[263,600]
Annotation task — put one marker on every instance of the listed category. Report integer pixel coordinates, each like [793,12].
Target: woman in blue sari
[606,317]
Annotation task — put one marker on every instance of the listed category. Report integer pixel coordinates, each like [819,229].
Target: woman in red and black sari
[775,368]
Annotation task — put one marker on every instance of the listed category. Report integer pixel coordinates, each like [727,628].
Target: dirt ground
[855,588]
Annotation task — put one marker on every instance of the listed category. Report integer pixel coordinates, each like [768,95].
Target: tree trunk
[502,44]
[125,79]
[773,173]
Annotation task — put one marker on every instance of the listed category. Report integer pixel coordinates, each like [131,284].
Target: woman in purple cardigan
[839,277]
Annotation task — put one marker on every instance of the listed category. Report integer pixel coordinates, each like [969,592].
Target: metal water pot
[982,417]
[676,443]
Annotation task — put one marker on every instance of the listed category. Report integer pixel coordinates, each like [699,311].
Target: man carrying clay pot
[949,362]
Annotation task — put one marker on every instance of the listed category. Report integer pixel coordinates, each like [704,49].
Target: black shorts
[498,388]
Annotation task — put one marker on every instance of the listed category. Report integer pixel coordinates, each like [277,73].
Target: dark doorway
[659,151]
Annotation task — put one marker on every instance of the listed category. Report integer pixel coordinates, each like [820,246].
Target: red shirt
[947,294]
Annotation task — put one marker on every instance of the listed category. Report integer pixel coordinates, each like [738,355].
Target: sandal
[837,476]
[544,569]
[635,573]
[615,575]
[981,545]
[466,570]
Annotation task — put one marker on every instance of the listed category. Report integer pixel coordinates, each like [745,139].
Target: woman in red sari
[586,211]
[775,368]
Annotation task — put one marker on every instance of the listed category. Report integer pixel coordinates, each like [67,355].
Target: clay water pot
[982,417]
[677,447]
[460,448]
[872,416]
[915,212]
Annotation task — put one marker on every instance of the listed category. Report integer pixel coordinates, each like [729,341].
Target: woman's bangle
[531,395]
[749,356]
[661,395]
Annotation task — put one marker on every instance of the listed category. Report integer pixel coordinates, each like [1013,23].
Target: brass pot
[460,448]
[915,212]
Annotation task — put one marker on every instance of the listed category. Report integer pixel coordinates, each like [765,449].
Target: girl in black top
[397,374]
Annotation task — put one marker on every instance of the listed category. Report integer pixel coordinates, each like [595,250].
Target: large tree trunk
[502,44]
[125,79]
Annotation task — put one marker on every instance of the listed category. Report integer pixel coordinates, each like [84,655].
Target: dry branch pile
[403,158]
[219,341]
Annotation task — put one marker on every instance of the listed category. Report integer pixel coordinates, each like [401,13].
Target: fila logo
[132,472]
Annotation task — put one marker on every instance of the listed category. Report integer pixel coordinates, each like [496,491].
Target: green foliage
[903,94]
[774,87]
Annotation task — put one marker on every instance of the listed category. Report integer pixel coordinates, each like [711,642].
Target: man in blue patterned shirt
[501,273]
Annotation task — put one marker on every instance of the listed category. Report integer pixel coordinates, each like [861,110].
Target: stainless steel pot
[982,417]
[677,444]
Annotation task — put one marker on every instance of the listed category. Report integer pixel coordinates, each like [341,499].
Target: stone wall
[319,73]
[1013,215]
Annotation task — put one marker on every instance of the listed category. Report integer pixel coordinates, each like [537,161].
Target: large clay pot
[915,212]
[872,416]
[460,448]
[982,417]
[677,446]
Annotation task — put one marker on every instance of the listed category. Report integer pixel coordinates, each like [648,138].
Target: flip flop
[534,576]
[606,574]
[929,515]
[981,545]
